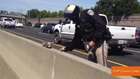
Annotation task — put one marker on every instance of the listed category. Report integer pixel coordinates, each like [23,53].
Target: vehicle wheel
[40,28]
[42,31]
[48,31]
[117,50]
[57,38]
[4,26]
[13,27]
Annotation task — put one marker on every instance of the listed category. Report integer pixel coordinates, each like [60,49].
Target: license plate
[122,42]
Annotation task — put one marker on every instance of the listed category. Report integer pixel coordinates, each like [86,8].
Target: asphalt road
[130,56]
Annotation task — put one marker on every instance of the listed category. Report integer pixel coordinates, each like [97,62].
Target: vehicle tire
[117,50]
[4,26]
[42,31]
[57,39]
[14,27]
[48,31]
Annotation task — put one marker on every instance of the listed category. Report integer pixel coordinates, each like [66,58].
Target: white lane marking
[131,50]
[44,33]
[19,28]
[36,29]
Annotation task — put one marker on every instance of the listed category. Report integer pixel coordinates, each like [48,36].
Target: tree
[92,7]
[49,14]
[105,6]
[60,13]
[39,16]
[117,7]
[43,14]
[108,7]
[81,8]
[32,13]
[126,7]
[52,14]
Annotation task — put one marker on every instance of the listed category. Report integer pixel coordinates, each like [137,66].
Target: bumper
[122,42]
[8,25]
[137,41]
[19,26]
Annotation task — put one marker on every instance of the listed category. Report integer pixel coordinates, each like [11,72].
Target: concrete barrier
[29,60]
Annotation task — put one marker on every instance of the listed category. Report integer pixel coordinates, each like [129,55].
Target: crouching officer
[90,29]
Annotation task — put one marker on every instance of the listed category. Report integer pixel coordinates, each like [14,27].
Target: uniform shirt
[89,27]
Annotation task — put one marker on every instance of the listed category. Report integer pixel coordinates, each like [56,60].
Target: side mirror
[64,23]
[60,21]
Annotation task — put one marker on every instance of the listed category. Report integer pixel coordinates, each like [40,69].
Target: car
[49,27]
[18,24]
[42,25]
[0,22]
[7,22]
[28,24]
[37,25]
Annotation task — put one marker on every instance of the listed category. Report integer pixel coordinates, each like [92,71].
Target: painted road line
[131,50]
[117,63]
[44,33]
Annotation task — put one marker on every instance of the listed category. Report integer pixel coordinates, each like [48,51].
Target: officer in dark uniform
[90,29]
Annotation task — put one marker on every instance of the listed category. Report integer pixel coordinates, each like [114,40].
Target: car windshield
[38,23]
[104,19]
[67,21]
[44,23]
[8,19]
[51,24]
[28,22]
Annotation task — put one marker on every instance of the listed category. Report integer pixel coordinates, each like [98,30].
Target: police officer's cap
[71,10]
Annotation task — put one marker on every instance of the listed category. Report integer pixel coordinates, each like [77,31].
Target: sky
[52,5]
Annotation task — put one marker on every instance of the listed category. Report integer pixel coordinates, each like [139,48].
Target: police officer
[90,29]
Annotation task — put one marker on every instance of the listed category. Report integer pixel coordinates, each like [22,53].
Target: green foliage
[34,13]
[92,7]
[108,7]
[60,13]
[81,8]
[118,7]
[43,14]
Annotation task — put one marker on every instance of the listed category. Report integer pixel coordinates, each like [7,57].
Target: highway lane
[129,57]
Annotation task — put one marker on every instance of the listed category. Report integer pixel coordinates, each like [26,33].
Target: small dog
[47,44]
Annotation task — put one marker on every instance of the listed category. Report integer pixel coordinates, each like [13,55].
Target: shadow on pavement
[123,53]
[135,46]
[110,52]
